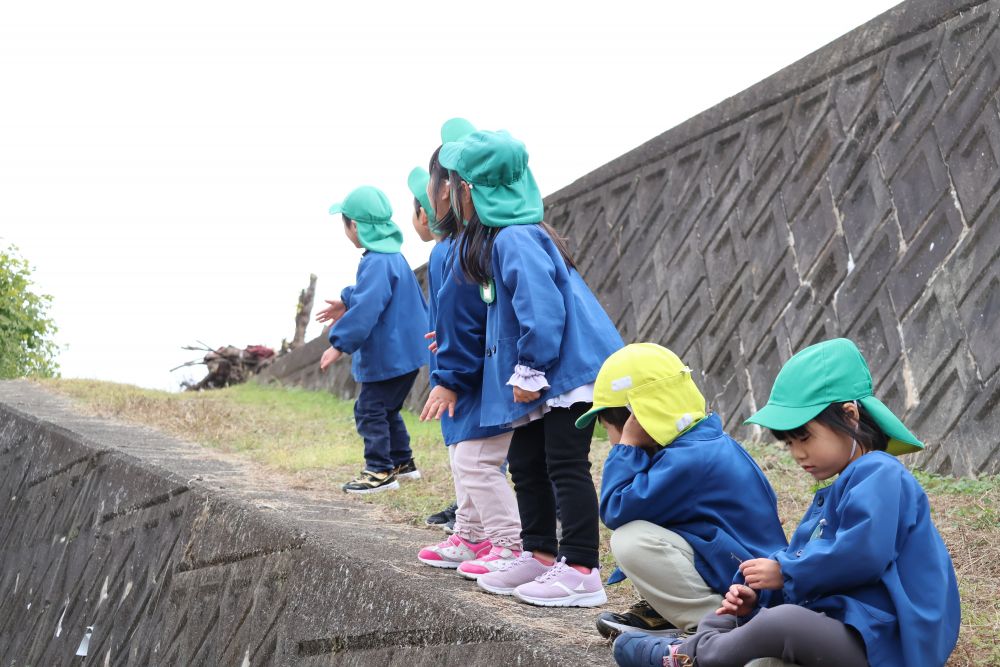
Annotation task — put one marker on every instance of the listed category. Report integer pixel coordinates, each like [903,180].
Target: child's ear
[851,410]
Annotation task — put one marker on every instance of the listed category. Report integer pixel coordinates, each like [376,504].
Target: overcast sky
[167,167]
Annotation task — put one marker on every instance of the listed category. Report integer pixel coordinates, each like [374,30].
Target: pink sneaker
[453,552]
[491,562]
[512,574]
[562,586]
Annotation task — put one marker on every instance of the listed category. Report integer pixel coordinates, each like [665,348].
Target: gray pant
[789,632]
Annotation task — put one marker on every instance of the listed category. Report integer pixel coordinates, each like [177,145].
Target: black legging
[551,454]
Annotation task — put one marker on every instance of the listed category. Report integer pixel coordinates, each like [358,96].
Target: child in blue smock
[487,525]
[380,322]
[667,493]
[546,338]
[866,578]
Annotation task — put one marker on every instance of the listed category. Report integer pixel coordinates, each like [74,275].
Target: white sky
[167,167]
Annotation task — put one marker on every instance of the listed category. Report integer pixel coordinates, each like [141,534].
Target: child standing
[487,530]
[546,337]
[866,578]
[379,321]
[666,492]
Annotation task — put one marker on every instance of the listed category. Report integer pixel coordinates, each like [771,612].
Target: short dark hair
[615,416]
[417,206]
[868,433]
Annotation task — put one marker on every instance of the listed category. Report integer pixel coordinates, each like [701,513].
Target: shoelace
[554,571]
[525,555]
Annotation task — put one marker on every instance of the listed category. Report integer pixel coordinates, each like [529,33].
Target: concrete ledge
[176,556]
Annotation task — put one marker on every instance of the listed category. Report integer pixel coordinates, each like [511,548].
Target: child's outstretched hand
[525,396]
[432,337]
[762,574]
[333,312]
[440,400]
[739,601]
[331,355]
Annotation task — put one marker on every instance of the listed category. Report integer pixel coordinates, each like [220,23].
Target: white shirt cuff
[528,379]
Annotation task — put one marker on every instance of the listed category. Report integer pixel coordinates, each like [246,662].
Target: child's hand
[634,434]
[440,400]
[331,355]
[333,312]
[739,601]
[525,396]
[762,574]
[432,336]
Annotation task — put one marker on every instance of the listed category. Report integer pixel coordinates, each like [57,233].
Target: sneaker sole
[610,630]
[409,475]
[378,489]
[444,564]
[494,589]
[470,575]
[581,600]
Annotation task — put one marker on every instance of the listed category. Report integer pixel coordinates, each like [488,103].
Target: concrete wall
[174,555]
[854,193]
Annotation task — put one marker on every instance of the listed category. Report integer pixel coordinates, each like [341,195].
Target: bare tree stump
[306,298]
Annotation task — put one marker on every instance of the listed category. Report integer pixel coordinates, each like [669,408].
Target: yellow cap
[655,384]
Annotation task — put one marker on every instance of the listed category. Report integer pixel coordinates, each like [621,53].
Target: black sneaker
[372,482]
[442,517]
[639,618]
[407,470]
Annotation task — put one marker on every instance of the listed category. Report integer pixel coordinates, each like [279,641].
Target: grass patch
[310,436]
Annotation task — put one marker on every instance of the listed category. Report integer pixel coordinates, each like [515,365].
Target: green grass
[309,437]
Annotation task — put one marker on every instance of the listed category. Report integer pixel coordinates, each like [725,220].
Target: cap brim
[783,418]
[589,416]
[901,441]
[456,129]
[337,208]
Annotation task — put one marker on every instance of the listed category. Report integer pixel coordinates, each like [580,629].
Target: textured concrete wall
[175,556]
[854,193]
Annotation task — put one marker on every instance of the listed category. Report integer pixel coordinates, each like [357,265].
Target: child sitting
[866,578]
[685,501]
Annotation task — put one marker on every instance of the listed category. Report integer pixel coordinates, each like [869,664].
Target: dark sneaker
[407,470]
[639,618]
[442,517]
[372,482]
[639,649]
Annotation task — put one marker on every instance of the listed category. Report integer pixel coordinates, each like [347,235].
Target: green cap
[369,208]
[495,164]
[417,182]
[655,384]
[456,129]
[829,372]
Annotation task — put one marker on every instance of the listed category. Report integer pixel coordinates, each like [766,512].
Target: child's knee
[628,542]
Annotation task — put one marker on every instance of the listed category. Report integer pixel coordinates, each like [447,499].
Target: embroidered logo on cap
[684,421]
[621,383]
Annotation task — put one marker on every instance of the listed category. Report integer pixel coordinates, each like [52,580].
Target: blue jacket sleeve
[635,486]
[529,273]
[368,299]
[345,295]
[461,342]
[863,546]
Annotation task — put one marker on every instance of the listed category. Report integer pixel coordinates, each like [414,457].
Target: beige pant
[487,508]
[660,564]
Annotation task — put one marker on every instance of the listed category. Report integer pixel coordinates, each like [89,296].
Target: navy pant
[376,414]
